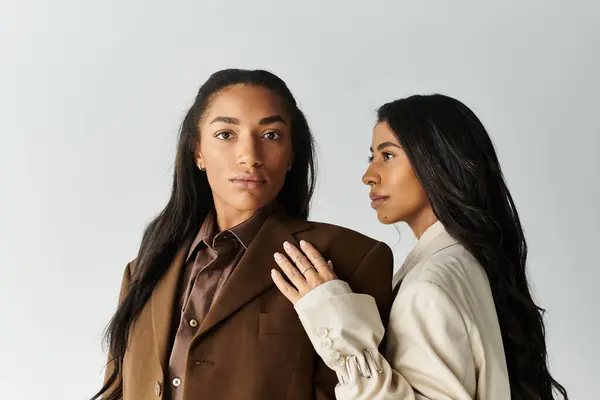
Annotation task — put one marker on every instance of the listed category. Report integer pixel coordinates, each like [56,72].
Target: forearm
[346,331]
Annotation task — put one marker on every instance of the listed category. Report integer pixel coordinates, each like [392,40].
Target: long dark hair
[191,200]
[456,163]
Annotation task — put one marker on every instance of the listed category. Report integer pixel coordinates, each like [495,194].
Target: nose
[249,152]
[371,177]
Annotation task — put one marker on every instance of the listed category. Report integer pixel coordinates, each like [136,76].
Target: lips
[248,181]
[377,199]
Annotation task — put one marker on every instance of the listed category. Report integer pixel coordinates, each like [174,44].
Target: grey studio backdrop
[92,94]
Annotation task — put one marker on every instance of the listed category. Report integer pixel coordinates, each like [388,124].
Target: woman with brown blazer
[198,315]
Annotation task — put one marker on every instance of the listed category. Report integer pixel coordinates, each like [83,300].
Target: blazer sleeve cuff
[322,293]
[343,326]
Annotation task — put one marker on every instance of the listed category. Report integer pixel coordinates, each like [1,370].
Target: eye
[387,156]
[224,135]
[371,158]
[272,135]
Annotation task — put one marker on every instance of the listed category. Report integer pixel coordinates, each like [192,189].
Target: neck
[420,222]
[228,217]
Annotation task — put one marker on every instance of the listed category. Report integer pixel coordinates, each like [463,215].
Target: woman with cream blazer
[443,324]
[463,323]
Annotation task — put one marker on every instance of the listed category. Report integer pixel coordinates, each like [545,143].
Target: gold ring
[307,270]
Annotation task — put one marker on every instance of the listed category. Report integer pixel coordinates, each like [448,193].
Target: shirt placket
[196,307]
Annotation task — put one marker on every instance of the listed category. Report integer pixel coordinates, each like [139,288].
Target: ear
[199,159]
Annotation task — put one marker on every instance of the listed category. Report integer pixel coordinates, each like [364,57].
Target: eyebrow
[384,145]
[227,120]
[264,121]
[271,119]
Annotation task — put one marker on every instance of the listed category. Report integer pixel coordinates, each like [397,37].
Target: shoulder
[324,228]
[449,265]
[129,269]
[350,251]
[453,274]
[436,290]
[350,241]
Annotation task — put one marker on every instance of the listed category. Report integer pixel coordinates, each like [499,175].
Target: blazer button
[322,332]
[176,382]
[157,389]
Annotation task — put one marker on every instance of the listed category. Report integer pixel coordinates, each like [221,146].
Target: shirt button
[335,355]
[326,343]
[193,323]
[157,389]
[176,382]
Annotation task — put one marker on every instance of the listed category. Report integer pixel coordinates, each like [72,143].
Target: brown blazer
[251,345]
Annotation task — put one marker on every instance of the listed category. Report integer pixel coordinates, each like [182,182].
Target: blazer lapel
[252,276]
[162,303]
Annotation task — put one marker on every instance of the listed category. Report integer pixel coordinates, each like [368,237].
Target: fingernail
[287,245]
[277,256]
[303,243]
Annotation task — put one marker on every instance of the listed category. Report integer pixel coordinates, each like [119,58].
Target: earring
[202,169]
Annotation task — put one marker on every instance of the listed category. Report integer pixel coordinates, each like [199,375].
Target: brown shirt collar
[243,232]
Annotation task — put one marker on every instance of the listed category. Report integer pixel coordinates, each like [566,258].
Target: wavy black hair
[456,163]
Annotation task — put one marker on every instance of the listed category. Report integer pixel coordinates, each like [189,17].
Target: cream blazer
[443,339]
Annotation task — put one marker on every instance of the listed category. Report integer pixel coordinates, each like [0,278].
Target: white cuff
[322,293]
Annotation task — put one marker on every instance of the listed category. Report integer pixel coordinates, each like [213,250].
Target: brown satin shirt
[210,261]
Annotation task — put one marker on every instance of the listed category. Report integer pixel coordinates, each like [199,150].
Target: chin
[251,203]
[387,218]
[385,221]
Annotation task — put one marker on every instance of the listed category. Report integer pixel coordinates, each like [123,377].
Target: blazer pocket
[275,322]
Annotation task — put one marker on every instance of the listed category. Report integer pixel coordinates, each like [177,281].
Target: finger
[285,288]
[291,272]
[297,257]
[313,278]
[306,268]
[327,273]
[315,257]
